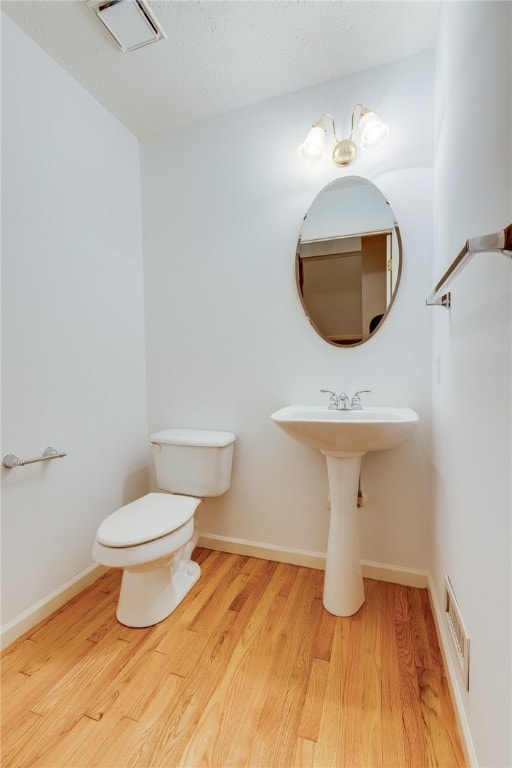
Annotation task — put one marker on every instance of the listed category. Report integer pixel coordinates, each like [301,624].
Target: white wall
[73,339]
[472,403]
[226,337]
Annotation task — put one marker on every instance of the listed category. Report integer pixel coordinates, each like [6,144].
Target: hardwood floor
[250,670]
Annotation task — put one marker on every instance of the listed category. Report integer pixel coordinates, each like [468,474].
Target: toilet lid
[149,518]
[207,438]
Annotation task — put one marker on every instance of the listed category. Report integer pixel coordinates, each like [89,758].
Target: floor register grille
[457,631]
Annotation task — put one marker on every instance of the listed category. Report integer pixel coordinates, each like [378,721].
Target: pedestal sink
[344,436]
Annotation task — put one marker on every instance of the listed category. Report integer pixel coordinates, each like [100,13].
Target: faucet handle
[356,399]
[333,399]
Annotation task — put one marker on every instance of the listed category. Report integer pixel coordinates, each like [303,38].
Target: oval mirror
[349,259]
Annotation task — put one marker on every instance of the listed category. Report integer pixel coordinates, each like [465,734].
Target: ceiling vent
[130,22]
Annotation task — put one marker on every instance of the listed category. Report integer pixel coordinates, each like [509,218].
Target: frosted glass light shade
[373,131]
[312,148]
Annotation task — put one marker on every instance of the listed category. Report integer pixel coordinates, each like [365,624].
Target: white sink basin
[372,429]
[343,437]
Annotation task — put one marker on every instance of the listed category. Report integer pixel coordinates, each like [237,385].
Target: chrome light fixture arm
[345,149]
[373,133]
[364,111]
[320,123]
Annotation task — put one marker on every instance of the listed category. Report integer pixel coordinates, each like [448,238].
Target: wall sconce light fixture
[373,132]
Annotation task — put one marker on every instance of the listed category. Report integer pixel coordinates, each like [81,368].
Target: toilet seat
[147,519]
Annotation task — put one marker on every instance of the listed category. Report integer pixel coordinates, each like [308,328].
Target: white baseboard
[41,610]
[392,573]
[395,574]
[261,550]
[453,676]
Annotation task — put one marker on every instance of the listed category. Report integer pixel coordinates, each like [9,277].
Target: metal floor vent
[457,630]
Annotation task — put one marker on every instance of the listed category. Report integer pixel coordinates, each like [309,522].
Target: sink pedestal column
[343,585]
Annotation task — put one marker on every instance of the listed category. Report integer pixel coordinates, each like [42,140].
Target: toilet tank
[195,462]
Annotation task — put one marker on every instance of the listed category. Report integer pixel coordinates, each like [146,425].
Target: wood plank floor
[249,671]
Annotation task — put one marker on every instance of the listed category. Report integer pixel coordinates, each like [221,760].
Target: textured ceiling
[222,55]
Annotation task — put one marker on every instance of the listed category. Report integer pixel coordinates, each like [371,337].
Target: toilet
[152,538]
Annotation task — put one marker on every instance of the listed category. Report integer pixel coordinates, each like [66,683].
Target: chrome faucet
[337,402]
[342,402]
[355,403]
[333,399]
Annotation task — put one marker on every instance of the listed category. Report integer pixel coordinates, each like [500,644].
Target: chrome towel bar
[10,461]
[499,242]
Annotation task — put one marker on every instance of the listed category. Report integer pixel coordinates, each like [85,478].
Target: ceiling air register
[130,22]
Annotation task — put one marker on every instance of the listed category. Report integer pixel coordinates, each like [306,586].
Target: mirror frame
[355,234]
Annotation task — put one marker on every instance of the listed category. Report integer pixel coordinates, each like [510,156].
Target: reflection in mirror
[348,261]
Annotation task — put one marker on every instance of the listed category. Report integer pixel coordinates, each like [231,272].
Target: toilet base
[149,596]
